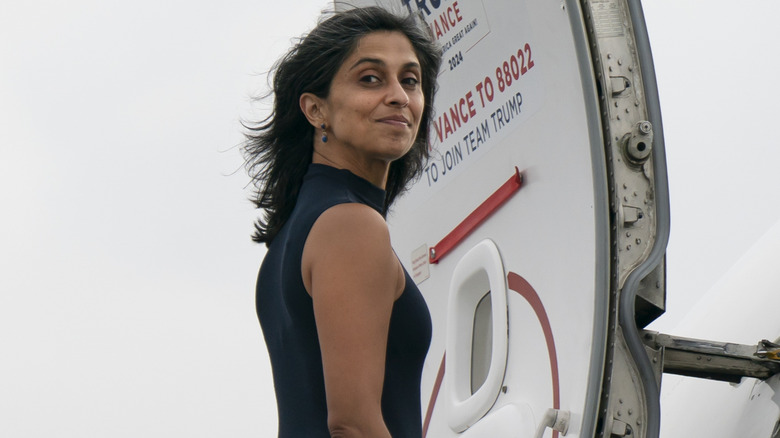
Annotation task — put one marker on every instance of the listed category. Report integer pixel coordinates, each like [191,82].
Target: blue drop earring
[324,134]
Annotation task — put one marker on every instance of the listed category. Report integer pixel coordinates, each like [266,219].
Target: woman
[346,328]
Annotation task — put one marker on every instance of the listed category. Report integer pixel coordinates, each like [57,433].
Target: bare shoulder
[351,241]
[347,221]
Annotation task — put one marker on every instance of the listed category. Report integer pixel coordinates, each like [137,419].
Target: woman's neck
[374,172]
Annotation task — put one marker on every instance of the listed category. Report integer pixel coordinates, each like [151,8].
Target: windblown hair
[279,148]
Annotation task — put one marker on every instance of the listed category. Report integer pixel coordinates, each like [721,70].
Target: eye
[410,81]
[370,79]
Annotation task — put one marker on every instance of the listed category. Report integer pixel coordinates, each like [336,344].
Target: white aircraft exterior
[538,232]
[741,308]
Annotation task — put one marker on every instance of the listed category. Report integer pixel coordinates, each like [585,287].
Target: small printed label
[607,18]
[420,271]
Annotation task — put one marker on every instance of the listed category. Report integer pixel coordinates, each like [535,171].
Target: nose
[396,95]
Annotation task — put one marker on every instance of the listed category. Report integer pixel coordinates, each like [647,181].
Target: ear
[313,108]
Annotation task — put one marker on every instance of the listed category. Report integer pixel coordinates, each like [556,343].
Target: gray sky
[715,62]
[126,271]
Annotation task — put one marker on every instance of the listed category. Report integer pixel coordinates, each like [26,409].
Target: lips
[398,120]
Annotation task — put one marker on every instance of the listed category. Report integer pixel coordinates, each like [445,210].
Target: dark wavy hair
[278,149]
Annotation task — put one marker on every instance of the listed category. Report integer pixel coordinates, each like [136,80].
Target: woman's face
[375,103]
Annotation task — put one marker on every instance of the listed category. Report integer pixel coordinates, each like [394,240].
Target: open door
[511,232]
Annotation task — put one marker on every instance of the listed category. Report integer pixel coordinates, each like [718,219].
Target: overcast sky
[126,270]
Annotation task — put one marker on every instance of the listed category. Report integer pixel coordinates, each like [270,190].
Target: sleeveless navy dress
[286,316]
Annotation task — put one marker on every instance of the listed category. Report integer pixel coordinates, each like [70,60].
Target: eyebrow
[381,63]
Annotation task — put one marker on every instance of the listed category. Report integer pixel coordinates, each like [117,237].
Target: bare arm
[353,276]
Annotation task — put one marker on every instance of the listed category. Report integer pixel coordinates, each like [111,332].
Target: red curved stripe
[521,286]
[434,396]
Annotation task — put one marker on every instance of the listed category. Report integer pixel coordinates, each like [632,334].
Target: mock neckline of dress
[373,195]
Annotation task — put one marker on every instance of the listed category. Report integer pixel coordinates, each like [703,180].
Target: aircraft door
[507,231]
